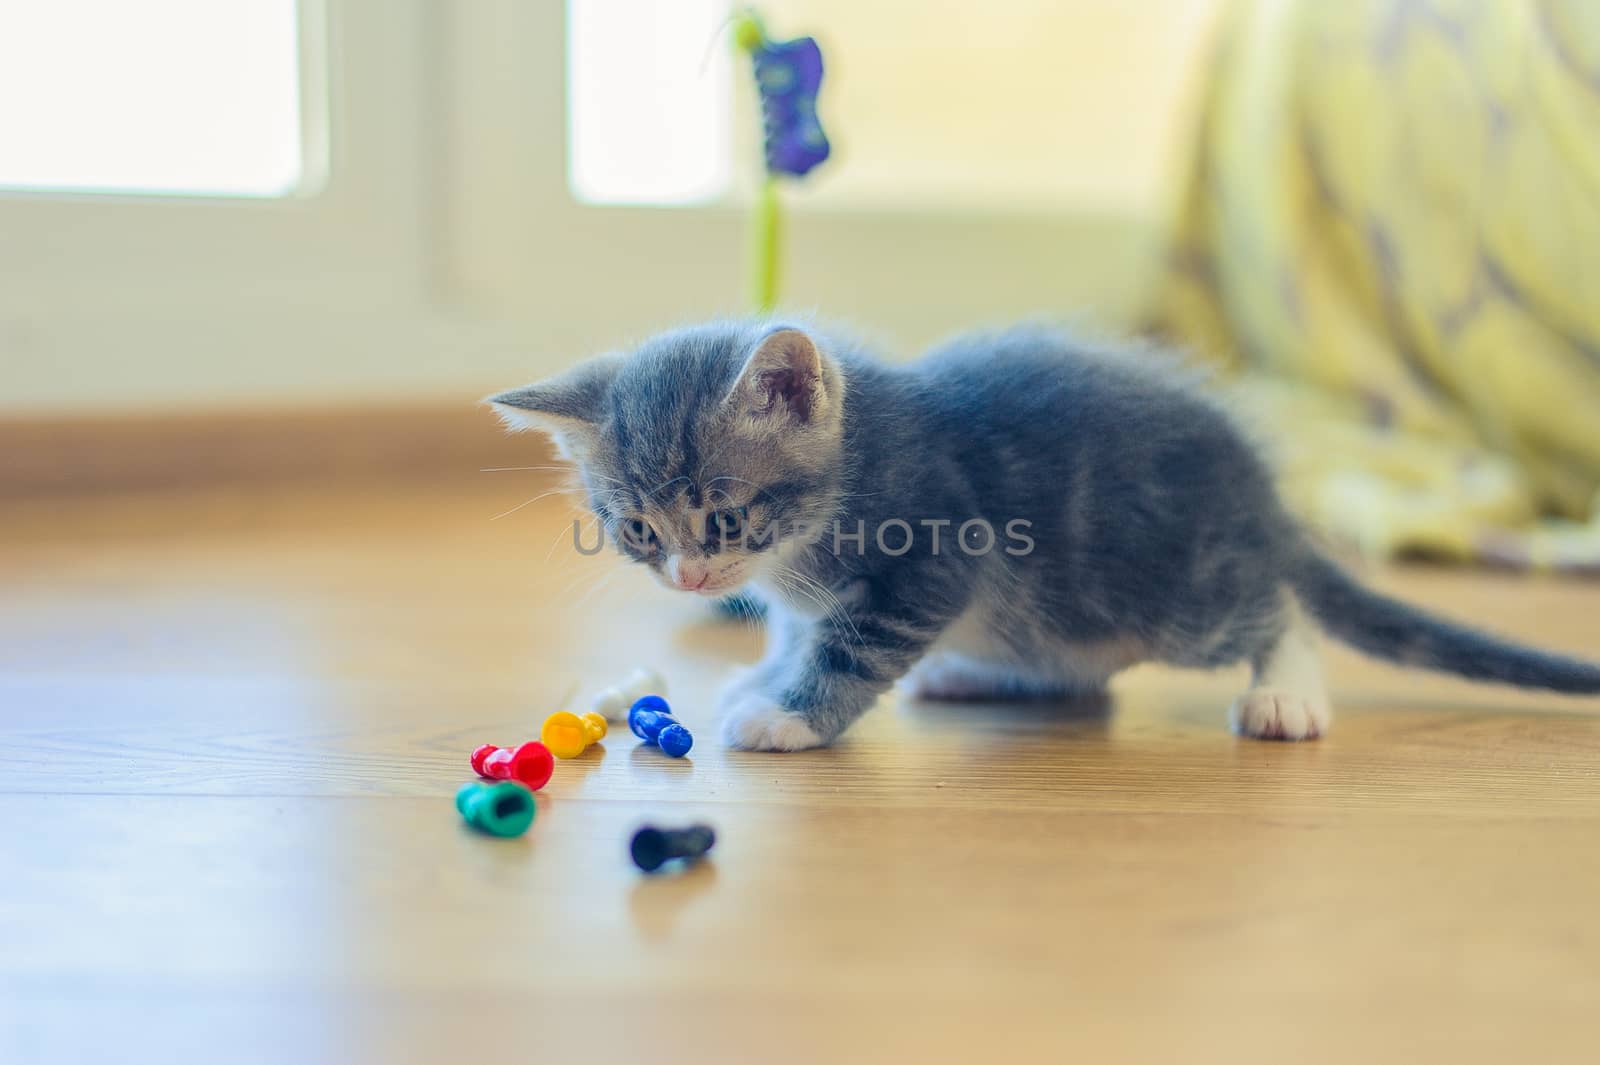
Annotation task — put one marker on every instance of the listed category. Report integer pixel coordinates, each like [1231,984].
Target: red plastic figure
[529,765]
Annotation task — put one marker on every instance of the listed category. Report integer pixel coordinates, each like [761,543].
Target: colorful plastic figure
[649,716]
[568,735]
[647,724]
[651,720]
[653,847]
[650,702]
[529,764]
[675,740]
[478,756]
[504,808]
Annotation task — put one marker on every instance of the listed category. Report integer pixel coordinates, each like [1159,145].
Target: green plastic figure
[503,808]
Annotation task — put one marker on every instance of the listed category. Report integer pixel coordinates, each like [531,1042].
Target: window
[176,97]
[450,235]
[1014,106]
[200,270]
[648,85]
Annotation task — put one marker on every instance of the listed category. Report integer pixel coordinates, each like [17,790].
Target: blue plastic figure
[650,702]
[649,716]
[651,720]
[675,740]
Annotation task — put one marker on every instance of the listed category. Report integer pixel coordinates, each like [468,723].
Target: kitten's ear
[786,381]
[568,406]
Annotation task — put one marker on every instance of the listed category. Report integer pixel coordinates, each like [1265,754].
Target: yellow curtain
[1389,234]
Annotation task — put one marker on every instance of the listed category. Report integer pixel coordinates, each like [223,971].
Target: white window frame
[110,300]
[523,251]
[444,255]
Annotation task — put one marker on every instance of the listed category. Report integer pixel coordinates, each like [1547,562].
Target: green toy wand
[788,75]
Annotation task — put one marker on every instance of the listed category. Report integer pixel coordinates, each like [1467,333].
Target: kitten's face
[706,514]
[702,452]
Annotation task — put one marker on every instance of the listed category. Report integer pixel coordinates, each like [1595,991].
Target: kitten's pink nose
[690,576]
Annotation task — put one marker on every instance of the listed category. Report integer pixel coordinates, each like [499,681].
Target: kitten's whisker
[584,576]
[665,484]
[578,537]
[746,620]
[530,502]
[577,483]
[836,611]
[605,579]
[730,477]
[607,500]
[833,610]
[791,586]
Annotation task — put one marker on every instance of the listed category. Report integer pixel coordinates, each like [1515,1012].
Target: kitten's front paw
[752,722]
[1274,714]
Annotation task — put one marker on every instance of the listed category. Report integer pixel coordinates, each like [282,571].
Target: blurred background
[238,204]
[1379,219]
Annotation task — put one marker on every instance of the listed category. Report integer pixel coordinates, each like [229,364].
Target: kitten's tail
[1387,628]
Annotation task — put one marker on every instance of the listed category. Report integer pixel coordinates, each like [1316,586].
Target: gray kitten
[1017,514]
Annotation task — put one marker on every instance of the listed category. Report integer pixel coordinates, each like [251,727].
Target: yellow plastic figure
[568,735]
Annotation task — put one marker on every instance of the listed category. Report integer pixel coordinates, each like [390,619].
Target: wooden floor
[231,725]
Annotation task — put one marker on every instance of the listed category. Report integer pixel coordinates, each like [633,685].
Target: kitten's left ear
[568,406]
[786,381]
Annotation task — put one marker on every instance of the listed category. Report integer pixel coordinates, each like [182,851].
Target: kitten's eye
[725,524]
[638,535]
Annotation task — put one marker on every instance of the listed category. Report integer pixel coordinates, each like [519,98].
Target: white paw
[752,722]
[1275,714]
